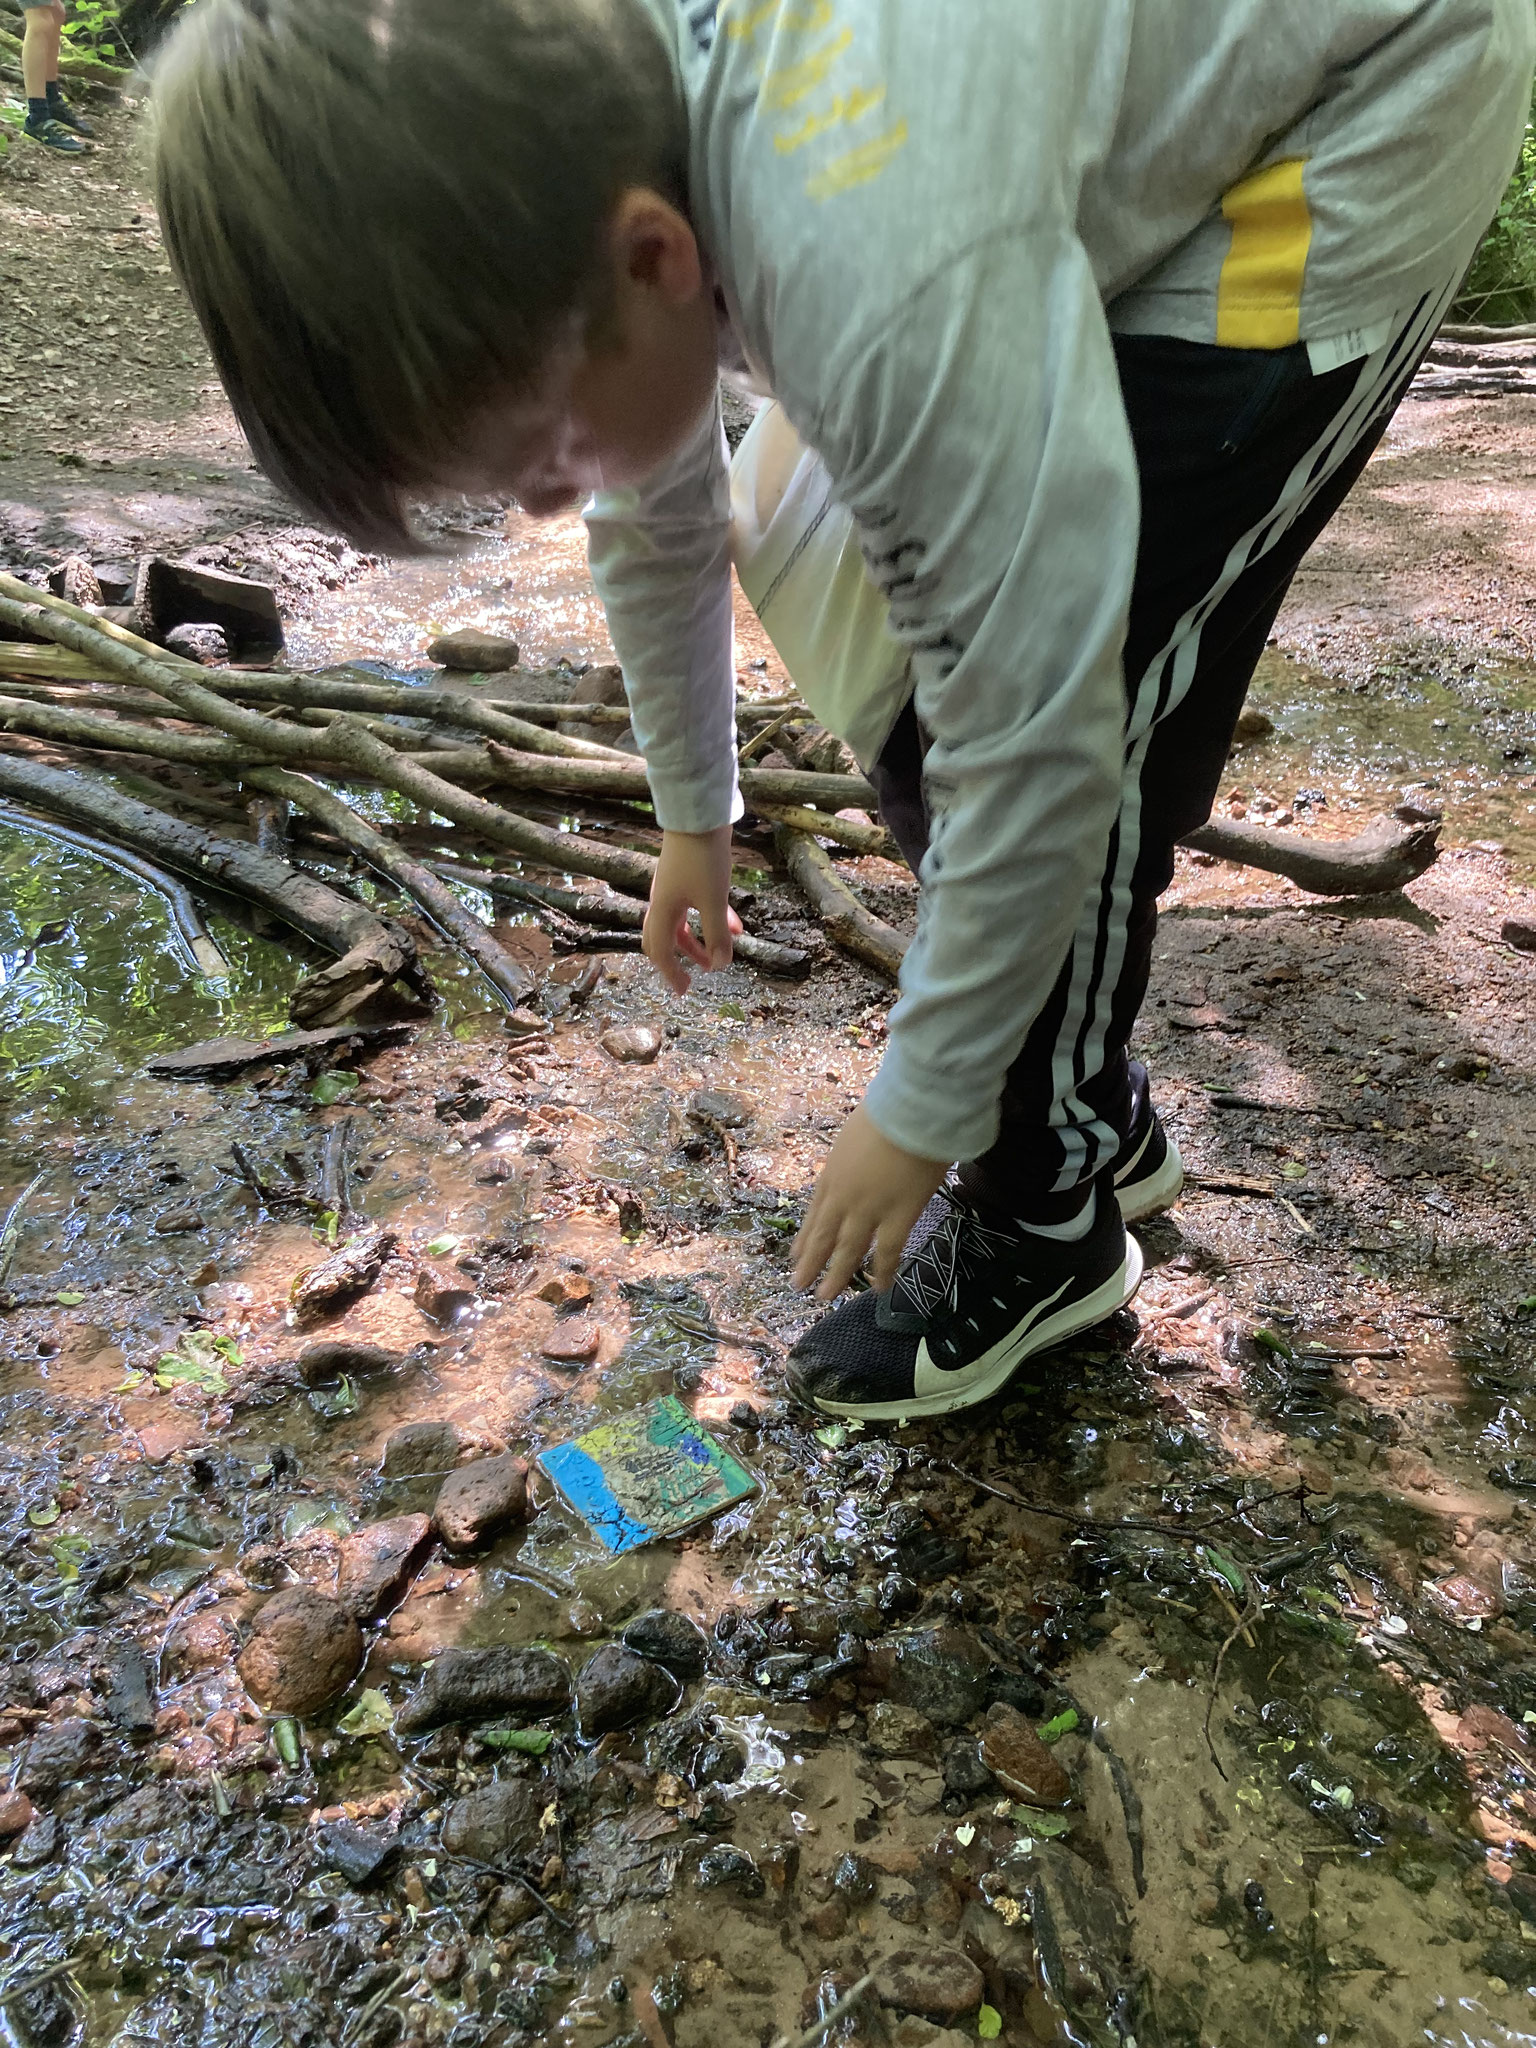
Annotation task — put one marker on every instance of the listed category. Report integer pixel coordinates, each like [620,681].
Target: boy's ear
[654,247]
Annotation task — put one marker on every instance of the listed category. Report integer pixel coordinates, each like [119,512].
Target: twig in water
[15,1991]
[10,1230]
[828,2021]
[386,1990]
[507,1877]
[1251,1612]
[1081,1521]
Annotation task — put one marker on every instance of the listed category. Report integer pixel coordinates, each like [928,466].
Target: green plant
[1500,288]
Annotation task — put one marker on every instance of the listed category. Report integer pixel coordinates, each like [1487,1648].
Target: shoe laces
[958,1250]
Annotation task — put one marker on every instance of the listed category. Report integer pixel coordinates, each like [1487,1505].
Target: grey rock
[938,1984]
[202,643]
[498,1822]
[420,1447]
[40,1844]
[899,1731]
[478,1499]
[632,1044]
[129,1702]
[474,1685]
[329,1359]
[472,652]
[361,1855]
[726,1868]
[375,1567]
[719,1109]
[854,1878]
[965,1774]
[943,1673]
[152,1810]
[58,1754]
[1081,1929]
[671,1639]
[616,1689]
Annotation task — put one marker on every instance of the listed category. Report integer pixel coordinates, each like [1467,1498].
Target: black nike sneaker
[970,1304]
[1148,1172]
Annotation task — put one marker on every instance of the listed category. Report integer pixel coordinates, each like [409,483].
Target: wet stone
[899,1731]
[178,1222]
[572,1343]
[129,1702]
[498,1822]
[938,1984]
[1519,932]
[58,1755]
[965,1775]
[475,1685]
[719,1109]
[567,1292]
[616,1689]
[44,2016]
[478,1499]
[854,1878]
[376,1566]
[670,1639]
[16,1814]
[360,1855]
[40,1844]
[303,1650]
[420,1448]
[633,1044]
[442,1293]
[472,652]
[331,1358]
[347,1273]
[152,1810]
[943,1673]
[201,1642]
[726,1868]
[1021,1762]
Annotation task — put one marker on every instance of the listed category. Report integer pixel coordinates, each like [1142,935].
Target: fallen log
[124,736]
[372,951]
[628,779]
[512,982]
[198,946]
[854,928]
[1382,858]
[1488,334]
[222,1059]
[862,839]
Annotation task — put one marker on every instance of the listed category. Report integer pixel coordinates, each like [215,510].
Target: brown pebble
[634,1045]
[442,1292]
[574,1343]
[376,1566]
[567,1291]
[472,652]
[1021,1762]
[445,1963]
[16,1812]
[939,1984]
[480,1498]
[303,1650]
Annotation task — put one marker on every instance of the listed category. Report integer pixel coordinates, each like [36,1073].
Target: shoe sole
[1159,1191]
[996,1367]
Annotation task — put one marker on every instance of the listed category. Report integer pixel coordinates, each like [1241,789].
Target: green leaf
[285,1740]
[440,1245]
[1271,1340]
[305,1515]
[833,1437]
[197,1361]
[373,1715]
[332,1087]
[133,1384]
[526,1741]
[1528,1304]
[334,1402]
[327,1227]
[44,1517]
[733,1013]
[1062,1724]
[67,1553]
[989,2024]
[1294,1169]
[1220,1562]
[68,1298]
[1037,1822]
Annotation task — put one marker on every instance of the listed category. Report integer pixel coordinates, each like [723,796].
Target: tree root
[1382,858]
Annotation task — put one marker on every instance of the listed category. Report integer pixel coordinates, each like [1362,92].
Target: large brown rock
[496,1823]
[303,1650]
[938,1984]
[478,1499]
[475,1685]
[472,652]
[1021,1762]
[443,1293]
[58,1754]
[376,1566]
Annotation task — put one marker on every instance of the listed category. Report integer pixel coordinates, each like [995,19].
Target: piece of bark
[373,952]
[221,1059]
[346,1274]
[1384,857]
[845,917]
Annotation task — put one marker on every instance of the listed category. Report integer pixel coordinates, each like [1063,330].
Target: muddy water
[1302,1759]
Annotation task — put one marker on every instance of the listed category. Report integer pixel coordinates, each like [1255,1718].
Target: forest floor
[1259,1555]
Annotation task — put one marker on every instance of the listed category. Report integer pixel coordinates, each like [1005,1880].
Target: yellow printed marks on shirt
[1258,296]
[811,92]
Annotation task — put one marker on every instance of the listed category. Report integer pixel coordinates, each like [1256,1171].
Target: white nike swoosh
[929,1378]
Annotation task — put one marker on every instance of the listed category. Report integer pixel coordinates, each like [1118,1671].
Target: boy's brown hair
[388,212]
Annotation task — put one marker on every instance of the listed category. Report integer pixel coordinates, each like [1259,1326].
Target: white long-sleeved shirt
[925,221]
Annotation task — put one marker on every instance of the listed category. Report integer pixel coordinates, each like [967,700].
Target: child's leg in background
[1244,457]
[40,50]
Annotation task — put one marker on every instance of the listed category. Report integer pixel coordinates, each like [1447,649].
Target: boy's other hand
[870,1191]
[693,873]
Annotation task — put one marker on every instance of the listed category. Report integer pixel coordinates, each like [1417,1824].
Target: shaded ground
[1278,1557]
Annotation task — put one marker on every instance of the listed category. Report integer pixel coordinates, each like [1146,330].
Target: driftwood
[373,952]
[222,1059]
[1380,859]
[506,976]
[197,942]
[847,921]
[622,913]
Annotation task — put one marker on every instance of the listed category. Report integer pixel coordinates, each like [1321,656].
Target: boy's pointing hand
[870,1191]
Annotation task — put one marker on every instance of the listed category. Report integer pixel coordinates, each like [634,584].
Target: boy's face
[609,414]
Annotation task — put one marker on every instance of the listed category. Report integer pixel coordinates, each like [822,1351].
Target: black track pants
[1244,457]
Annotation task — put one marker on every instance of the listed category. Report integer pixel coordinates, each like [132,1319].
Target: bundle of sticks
[266,762]
[260,760]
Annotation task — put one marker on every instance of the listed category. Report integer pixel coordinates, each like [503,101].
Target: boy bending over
[1091,314]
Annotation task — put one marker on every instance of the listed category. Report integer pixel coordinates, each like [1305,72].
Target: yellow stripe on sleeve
[1258,299]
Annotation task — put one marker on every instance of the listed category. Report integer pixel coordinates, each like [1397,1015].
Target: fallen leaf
[440,1245]
[965,1835]
[526,1741]
[44,1517]
[1062,1724]
[68,1298]
[372,1715]
[332,1087]
[989,2023]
